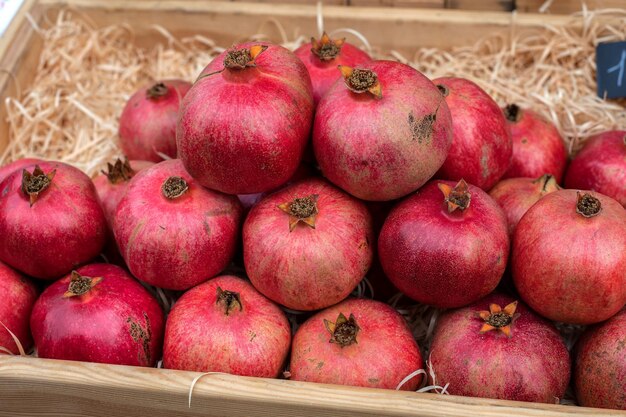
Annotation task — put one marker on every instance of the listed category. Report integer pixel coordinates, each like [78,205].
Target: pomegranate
[18,295]
[322,57]
[517,195]
[383,132]
[98,313]
[446,245]
[245,123]
[482,148]
[498,348]
[148,122]
[601,166]
[50,220]
[538,148]
[358,342]
[569,257]
[225,325]
[16,165]
[111,185]
[600,365]
[172,232]
[308,245]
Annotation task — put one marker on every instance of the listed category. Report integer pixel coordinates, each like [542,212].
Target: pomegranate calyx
[343,331]
[301,209]
[360,80]
[174,187]
[513,113]
[498,318]
[587,205]
[119,172]
[326,48]
[547,183]
[36,183]
[230,300]
[238,59]
[80,285]
[458,197]
[157,91]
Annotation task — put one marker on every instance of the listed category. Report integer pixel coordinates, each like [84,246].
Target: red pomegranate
[6,170]
[225,325]
[111,185]
[148,121]
[383,132]
[358,342]
[601,166]
[498,348]
[600,365]
[245,122]
[569,257]
[517,195]
[308,245]
[98,313]
[172,232]
[445,246]
[481,149]
[538,148]
[18,295]
[322,57]
[50,220]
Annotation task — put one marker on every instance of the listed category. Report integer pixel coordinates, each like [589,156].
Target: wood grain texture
[567,6]
[41,387]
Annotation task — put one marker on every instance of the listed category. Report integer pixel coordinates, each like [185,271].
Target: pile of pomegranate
[249,206]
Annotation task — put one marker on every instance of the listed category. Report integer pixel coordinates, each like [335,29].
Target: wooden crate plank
[567,6]
[60,388]
[19,56]
[430,4]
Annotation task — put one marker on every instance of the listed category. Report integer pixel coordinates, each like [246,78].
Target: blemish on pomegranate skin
[484,162]
[422,130]
[141,335]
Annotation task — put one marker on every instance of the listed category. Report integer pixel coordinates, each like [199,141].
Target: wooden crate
[38,387]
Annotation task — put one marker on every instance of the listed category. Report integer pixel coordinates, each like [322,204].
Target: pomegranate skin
[440,258]
[11,167]
[382,149]
[600,365]
[538,147]
[243,131]
[116,322]
[63,228]
[481,149]
[112,191]
[201,337]
[601,166]
[148,121]
[383,355]
[179,242]
[532,365]
[324,73]
[308,268]
[568,267]
[516,195]
[18,296]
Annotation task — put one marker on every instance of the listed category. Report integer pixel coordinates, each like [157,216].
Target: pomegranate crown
[36,182]
[326,48]
[343,331]
[120,171]
[457,198]
[361,80]
[587,205]
[229,300]
[301,209]
[80,285]
[499,319]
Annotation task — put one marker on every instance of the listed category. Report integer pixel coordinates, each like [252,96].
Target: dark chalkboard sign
[611,69]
